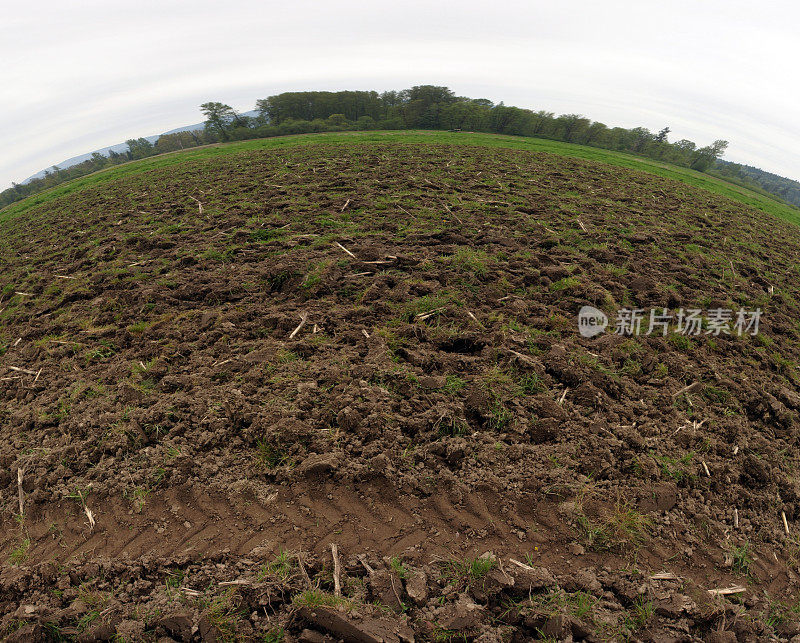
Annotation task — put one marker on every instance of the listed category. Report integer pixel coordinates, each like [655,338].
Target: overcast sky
[76,76]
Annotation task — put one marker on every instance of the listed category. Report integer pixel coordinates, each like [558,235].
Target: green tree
[571,127]
[661,137]
[640,138]
[705,157]
[594,134]
[337,120]
[139,148]
[176,141]
[219,117]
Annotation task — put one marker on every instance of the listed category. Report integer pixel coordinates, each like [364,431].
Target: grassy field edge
[620,159]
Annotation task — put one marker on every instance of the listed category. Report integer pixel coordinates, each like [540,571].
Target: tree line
[420,107]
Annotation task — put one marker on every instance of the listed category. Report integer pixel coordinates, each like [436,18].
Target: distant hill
[422,107]
[780,186]
[119,148]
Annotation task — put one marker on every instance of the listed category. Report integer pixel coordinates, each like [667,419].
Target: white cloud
[81,76]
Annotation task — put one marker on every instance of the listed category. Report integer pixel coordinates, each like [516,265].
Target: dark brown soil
[151,376]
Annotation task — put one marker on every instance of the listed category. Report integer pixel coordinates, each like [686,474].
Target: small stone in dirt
[432,381]
[33,633]
[306,387]
[368,630]
[477,401]
[569,509]
[100,632]
[666,496]
[130,630]
[555,627]
[386,588]
[317,464]
[348,419]
[528,580]
[310,636]
[178,624]
[586,580]
[546,407]
[544,430]
[208,631]
[755,472]
[675,606]
[206,320]
[789,397]
[721,637]
[588,396]
[462,615]
[25,611]
[417,587]
[493,583]
[579,629]
[576,549]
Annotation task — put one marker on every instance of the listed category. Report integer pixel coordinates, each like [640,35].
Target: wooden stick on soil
[345,205]
[447,207]
[664,576]
[725,591]
[303,570]
[363,560]
[563,396]
[90,515]
[430,313]
[190,592]
[687,389]
[303,320]
[521,357]
[20,474]
[22,370]
[785,524]
[199,205]
[337,571]
[519,564]
[705,467]
[238,581]
[735,518]
[475,319]
[345,249]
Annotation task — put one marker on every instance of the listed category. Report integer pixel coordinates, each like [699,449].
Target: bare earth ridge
[211,373]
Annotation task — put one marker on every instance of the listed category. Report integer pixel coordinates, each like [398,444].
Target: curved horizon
[95,76]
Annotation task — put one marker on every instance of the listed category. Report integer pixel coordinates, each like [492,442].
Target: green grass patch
[619,159]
